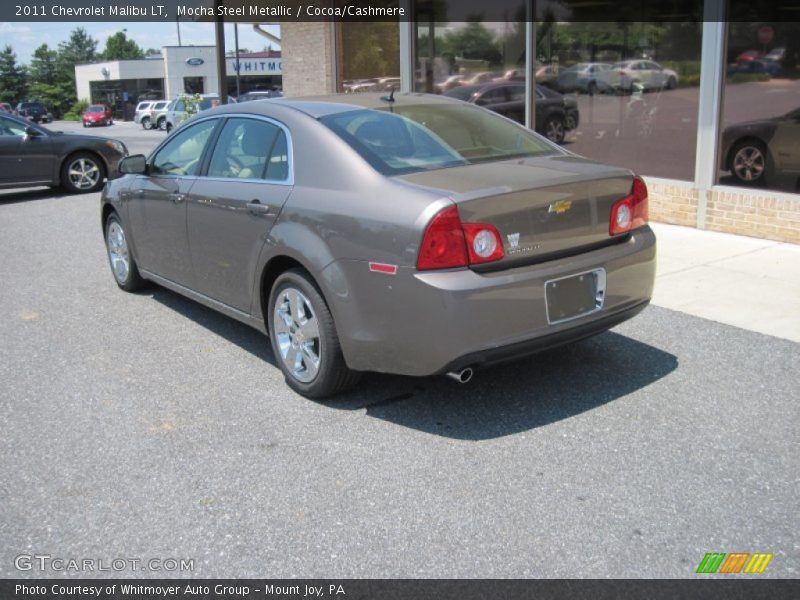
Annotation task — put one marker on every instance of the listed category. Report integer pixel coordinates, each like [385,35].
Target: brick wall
[752,212]
[671,202]
[755,213]
[307,54]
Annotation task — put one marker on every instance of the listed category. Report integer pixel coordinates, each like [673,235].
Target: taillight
[483,243]
[630,212]
[448,243]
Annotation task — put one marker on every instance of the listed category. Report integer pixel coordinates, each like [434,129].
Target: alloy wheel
[118,252]
[555,130]
[748,164]
[83,173]
[296,332]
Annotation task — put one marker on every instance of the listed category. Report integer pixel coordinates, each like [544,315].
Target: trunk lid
[543,207]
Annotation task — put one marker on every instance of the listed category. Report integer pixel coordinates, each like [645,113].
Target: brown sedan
[407,233]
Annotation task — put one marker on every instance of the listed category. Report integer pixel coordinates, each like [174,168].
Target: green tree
[13,82]
[371,50]
[474,41]
[47,84]
[78,49]
[44,66]
[120,47]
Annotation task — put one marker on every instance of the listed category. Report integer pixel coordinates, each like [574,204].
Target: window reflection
[370,57]
[633,88]
[760,142]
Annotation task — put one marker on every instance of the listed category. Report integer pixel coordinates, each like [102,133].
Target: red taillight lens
[443,245]
[483,243]
[630,212]
[448,243]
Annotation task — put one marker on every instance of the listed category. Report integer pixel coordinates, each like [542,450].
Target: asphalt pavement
[147,426]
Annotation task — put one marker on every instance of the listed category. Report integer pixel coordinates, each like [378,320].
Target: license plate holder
[574,296]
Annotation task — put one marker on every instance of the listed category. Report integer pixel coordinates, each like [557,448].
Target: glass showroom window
[476,59]
[370,57]
[633,81]
[760,141]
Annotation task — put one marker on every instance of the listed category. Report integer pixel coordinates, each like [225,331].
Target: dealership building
[697,96]
[176,70]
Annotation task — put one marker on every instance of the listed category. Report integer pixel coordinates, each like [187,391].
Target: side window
[518,93]
[179,106]
[181,155]
[242,149]
[278,166]
[9,127]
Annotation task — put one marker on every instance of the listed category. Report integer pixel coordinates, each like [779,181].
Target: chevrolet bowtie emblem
[560,207]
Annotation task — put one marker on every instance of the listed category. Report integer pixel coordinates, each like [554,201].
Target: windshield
[95,109]
[433,136]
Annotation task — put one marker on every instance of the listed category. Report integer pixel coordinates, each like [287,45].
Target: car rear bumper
[424,323]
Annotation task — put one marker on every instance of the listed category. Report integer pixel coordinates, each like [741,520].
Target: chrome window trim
[154,153]
[289,181]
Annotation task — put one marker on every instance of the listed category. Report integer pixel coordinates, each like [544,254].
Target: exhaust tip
[462,376]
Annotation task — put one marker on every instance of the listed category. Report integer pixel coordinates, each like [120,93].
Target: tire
[591,89]
[554,129]
[146,123]
[162,124]
[168,127]
[672,83]
[85,125]
[313,366]
[748,162]
[123,266]
[82,173]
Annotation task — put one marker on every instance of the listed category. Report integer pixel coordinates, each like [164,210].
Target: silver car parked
[410,234]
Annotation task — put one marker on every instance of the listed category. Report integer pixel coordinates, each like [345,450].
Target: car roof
[320,106]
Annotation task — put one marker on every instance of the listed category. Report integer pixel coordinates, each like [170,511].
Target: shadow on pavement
[25,195]
[502,400]
[515,397]
[232,330]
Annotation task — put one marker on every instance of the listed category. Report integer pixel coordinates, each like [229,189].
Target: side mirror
[135,164]
[31,132]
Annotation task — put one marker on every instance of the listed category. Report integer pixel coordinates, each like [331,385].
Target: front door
[158,204]
[233,206]
[24,158]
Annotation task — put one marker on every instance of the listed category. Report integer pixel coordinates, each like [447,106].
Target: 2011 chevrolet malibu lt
[409,234]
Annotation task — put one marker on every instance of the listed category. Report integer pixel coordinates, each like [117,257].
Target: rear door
[232,208]
[158,203]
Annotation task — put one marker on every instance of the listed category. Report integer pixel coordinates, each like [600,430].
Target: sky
[24,38]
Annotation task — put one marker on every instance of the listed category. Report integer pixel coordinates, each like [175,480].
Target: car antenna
[390,97]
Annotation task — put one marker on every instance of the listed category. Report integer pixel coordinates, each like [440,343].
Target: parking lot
[145,425]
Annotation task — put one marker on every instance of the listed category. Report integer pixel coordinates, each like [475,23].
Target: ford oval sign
[195,62]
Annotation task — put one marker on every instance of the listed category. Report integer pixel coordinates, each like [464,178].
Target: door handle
[139,193]
[177,197]
[255,207]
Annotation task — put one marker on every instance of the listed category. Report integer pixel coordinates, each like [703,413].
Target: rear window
[432,136]
[95,109]
[32,105]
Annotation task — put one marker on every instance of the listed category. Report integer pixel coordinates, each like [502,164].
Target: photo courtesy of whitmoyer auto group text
[399,299]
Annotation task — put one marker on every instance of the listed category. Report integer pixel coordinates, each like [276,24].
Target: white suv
[141,109]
